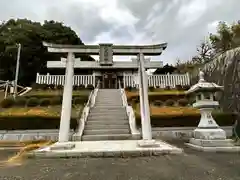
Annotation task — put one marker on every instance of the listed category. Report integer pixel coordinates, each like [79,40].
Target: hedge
[188,120]
[33,101]
[158,96]
[41,96]
[7,103]
[32,122]
[36,86]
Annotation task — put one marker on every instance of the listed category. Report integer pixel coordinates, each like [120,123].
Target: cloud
[181,23]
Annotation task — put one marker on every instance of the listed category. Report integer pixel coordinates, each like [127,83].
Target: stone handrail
[130,114]
[85,113]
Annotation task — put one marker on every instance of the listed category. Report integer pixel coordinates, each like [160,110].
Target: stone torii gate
[105,52]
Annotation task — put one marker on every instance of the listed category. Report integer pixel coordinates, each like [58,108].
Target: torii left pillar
[67,100]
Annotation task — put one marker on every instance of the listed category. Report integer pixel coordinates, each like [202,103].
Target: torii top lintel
[128,50]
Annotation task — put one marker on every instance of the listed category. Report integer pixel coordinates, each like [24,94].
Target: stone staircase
[108,119]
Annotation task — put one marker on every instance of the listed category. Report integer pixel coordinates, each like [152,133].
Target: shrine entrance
[109,80]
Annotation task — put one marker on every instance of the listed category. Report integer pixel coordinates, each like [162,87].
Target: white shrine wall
[130,79]
[60,79]
[161,81]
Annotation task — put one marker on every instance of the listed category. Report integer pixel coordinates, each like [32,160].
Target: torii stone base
[126,148]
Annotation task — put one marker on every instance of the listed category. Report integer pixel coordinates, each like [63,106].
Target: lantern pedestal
[208,136]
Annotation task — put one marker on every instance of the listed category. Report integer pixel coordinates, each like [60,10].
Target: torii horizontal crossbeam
[123,50]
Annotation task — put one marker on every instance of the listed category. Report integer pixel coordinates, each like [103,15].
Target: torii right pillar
[147,140]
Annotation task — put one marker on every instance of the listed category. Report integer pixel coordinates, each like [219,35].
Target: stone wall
[225,71]
[29,135]
[45,134]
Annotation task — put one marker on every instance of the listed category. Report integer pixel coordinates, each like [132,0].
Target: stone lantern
[208,135]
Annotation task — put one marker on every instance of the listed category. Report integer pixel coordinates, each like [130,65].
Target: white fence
[161,81]
[60,79]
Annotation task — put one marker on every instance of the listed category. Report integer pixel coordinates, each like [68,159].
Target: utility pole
[17,71]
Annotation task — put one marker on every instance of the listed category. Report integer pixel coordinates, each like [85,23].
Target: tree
[227,37]
[33,55]
[183,66]
[205,53]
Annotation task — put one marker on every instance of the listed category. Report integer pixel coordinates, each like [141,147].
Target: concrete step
[107,118]
[109,92]
[96,113]
[108,109]
[107,105]
[109,102]
[105,131]
[103,126]
[109,97]
[106,122]
[106,137]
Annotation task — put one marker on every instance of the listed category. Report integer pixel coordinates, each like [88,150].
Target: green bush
[78,101]
[186,87]
[57,100]
[52,86]
[151,88]
[223,119]
[59,87]
[192,100]
[167,88]
[35,86]
[158,103]
[237,128]
[32,122]
[128,88]
[7,103]
[161,97]
[136,101]
[169,102]
[182,102]
[90,87]
[21,101]
[134,89]
[39,86]
[81,86]
[45,102]
[32,102]
[75,87]
[179,87]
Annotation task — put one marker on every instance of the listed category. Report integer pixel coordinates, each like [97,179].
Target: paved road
[192,165]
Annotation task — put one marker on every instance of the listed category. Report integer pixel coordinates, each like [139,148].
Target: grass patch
[1,95]
[157,95]
[50,93]
[170,111]
[36,118]
[182,117]
[131,94]
[51,111]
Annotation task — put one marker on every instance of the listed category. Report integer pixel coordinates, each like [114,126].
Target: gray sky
[180,23]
